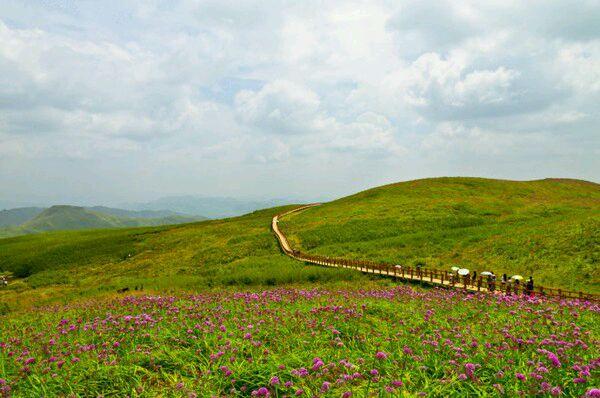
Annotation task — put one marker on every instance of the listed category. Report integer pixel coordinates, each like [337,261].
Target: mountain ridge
[68,217]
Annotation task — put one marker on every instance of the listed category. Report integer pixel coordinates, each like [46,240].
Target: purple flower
[317,364]
[462,376]
[263,392]
[347,394]
[594,392]
[554,359]
[381,355]
[274,380]
[520,376]
[545,386]
[326,386]
[579,380]
[556,391]
[374,372]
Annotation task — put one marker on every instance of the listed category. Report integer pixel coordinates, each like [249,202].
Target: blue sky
[113,101]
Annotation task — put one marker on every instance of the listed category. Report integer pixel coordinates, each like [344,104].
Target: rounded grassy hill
[546,228]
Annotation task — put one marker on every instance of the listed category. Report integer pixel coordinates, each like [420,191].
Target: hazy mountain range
[211,207]
[167,210]
[30,220]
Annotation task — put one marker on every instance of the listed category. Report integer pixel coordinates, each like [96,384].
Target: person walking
[493,284]
[529,286]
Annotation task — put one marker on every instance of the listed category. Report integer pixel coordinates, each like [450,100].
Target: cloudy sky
[109,101]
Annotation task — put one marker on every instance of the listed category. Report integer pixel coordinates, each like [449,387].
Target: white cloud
[280,107]
[190,87]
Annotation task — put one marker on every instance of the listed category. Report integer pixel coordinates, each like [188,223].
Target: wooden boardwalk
[430,276]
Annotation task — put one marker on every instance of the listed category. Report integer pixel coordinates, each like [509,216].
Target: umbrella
[454,268]
[486,273]
[463,272]
[517,277]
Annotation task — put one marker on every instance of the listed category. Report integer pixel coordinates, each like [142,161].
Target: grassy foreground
[310,343]
[549,228]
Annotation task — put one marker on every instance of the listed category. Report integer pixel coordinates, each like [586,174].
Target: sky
[120,101]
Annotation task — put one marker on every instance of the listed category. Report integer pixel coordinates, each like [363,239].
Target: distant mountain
[135,213]
[15,217]
[71,217]
[63,217]
[212,207]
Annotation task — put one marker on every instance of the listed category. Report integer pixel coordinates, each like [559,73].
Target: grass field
[549,229]
[238,252]
[394,342]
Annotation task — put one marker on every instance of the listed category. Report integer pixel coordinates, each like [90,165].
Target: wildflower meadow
[387,342]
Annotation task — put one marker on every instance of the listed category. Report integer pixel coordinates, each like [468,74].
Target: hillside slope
[218,253]
[549,228]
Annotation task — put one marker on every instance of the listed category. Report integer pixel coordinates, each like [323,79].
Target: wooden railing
[431,276]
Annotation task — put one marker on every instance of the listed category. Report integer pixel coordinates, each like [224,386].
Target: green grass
[549,228]
[546,228]
[235,252]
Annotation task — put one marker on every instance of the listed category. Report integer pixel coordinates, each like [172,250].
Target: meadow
[233,253]
[549,229]
[215,309]
[385,342]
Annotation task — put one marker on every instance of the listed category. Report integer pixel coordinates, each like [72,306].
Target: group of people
[513,284]
[508,284]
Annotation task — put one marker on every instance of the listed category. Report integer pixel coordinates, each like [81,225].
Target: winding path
[430,276]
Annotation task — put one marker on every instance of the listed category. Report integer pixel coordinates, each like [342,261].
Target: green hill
[549,228]
[238,252]
[70,217]
[63,217]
